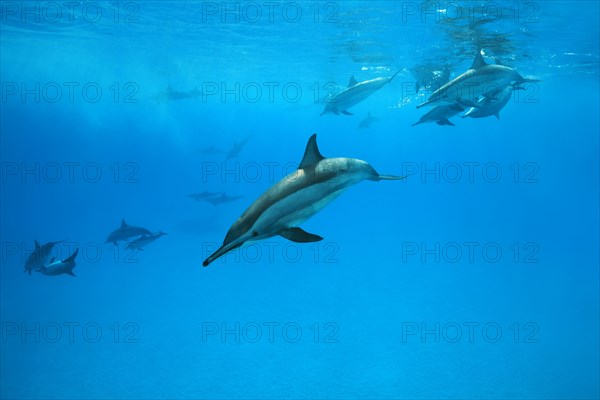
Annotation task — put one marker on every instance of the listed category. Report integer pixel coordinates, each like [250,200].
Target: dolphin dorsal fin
[37,245]
[352,81]
[311,154]
[479,61]
[123,223]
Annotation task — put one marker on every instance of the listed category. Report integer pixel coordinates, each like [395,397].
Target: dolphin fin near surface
[352,81]
[299,235]
[478,62]
[312,155]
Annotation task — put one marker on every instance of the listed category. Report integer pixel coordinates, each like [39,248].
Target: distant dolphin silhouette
[297,197]
[354,94]
[237,148]
[222,199]
[367,121]
[125,232]
[480,80]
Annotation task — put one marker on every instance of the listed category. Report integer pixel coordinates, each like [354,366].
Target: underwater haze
[134,134]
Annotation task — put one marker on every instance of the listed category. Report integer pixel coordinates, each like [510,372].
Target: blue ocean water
[475,277]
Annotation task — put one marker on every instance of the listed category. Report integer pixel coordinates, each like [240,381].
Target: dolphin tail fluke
[299,235]
[72,257]
[390,178]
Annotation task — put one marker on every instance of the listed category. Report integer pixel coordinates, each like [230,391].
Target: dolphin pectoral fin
[467,103]
[346,112]
[497,115]
[445,121]
[71,273]
[390,178]
[425,104]
[299,235]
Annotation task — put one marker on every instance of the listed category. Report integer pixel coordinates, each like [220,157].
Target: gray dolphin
[441,114]
[491,104]
[171,94]
[237,148]
[40,255]
[222,199]
[125,232]
[144,240]
[430,78]
[367,121]
[60,267]
[354,94]
[297,197]
[480,80]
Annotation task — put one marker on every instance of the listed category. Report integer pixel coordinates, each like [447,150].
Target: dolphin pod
[296,198]
[484,89]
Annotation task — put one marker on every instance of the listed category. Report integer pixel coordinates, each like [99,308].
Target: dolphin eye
[254,234]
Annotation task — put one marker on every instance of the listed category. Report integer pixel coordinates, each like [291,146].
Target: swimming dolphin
[441,114]
[491,104]
[237,148]
[204,195]
[125,232]
[222,199]
[366,123]
[171,94]
[144,240]
[430,78]
[354,94]
[60,267]
[297,197]
[480,80]
[40,255]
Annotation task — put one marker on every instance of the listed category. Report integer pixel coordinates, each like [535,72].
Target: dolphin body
[144,240]
[40,255]
[491,105]
[204,195]
[125,232]
[479,80]
[222,199]
[60,267]
[430,78]
[354,94]
[441,114]
[296,198]
[366,123]
[237,148]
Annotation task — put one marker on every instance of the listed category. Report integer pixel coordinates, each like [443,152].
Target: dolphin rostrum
[441,114]
[144,240]
[125,232]
[354,94]
[479,80]
[60,267]
[40,255]
[296,198]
